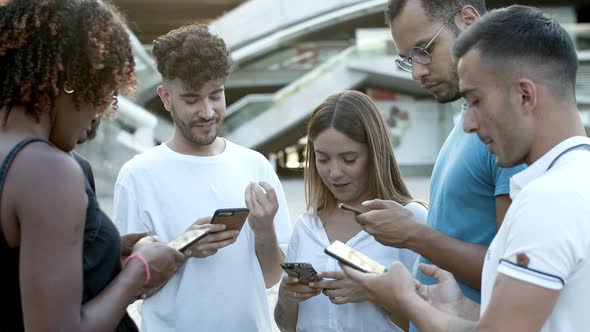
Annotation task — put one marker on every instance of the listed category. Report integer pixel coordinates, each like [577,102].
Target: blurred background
[287,57]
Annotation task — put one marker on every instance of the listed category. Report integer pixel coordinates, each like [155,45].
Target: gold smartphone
[187,239]
[353,258]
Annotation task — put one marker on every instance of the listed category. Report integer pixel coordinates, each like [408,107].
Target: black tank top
[101,257]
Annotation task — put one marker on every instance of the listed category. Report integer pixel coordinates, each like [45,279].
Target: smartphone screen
[353,258]
[304,271]
[233,219]
[188,238]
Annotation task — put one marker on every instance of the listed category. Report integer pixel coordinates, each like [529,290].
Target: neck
[22,124]
[181,145]
[557,123]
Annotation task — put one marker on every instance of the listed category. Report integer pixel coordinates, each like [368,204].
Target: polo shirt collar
[539,167]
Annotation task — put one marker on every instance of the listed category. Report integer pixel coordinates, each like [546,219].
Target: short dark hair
[193,54]
[436,10]
[46,44]
[523,37]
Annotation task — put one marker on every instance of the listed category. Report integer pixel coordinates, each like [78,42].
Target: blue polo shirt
[463,189]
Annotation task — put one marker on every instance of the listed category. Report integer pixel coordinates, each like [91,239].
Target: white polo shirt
[548,225]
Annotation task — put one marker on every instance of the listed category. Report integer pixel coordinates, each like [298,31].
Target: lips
[339,186]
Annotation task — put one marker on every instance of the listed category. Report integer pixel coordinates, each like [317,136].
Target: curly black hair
[193,54]
[47,44]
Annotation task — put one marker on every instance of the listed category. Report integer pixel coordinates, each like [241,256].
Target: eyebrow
[194,94]
[420,43]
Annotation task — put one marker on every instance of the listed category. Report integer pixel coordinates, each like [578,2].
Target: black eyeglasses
[420,54]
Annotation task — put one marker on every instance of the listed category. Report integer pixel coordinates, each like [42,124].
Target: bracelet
[146,266]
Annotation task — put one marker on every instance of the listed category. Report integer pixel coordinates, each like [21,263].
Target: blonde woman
[349,160]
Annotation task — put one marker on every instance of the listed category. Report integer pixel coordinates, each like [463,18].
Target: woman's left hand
[128,241]
[339,288]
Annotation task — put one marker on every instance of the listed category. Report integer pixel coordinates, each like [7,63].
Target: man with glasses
[468,192]
[520,86]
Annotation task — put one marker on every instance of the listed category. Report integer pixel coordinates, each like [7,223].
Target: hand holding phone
[187,239]
[353,258]
[233,219]
[302,271]
[354,209]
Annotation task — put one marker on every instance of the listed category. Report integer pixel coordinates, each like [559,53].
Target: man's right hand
[389,222]
[217,238]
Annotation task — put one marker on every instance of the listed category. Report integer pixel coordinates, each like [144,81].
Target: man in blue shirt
[468,191]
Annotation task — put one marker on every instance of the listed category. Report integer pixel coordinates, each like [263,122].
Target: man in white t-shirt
[517,70]
[185,179]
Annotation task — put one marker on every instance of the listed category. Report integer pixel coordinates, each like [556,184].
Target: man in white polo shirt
[517,70]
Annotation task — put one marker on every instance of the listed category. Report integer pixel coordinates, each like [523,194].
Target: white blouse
[318,314]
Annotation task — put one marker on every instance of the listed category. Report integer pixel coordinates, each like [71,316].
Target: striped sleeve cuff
[531,276]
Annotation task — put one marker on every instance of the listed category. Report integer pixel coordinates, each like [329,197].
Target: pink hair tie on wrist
[146,266]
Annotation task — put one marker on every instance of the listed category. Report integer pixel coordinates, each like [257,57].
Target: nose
[419,71]
[470,124]
[335,170]
[206,111]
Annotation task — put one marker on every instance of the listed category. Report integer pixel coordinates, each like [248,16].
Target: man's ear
[527,95]
[164,96]
[466,17]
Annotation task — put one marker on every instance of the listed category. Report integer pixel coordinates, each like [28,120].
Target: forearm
[105,311]
[286,315]
[429,319]
[464,260]
[269,256]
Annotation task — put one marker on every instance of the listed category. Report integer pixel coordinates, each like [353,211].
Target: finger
[214,245]
[359,277]
[210,227]
[247,197]
[332,275]
[340,299]
[219,236]
[202,221]
[257,207]
[270,191]
[289,280]
[179,257]
[435,272]
[258,195]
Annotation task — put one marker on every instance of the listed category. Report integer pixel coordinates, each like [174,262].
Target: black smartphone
[304,271]
[233,219]
[354,209]
[353,258]
[187,239]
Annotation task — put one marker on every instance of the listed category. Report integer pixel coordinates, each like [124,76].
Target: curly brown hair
[46,44]
[193,54]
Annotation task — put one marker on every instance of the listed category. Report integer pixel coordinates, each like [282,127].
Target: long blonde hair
[355,115]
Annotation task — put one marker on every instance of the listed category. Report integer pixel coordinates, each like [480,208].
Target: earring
[67,90]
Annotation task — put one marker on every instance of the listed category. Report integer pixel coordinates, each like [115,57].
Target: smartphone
[350,208]
[304,271]
[187,239]
[233,219]
[353,258]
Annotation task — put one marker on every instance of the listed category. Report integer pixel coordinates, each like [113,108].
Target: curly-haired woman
[62,63]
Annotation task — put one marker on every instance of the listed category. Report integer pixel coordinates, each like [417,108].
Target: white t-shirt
[164,192]
[318,314]
[549,222]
